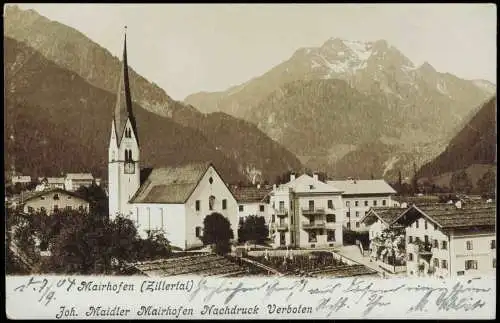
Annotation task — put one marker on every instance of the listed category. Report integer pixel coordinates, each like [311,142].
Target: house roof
[250,194]
[385,214]
[307,184]
[81,176]
[171,184]
[33,195]
[448,216]
[53,180]
[359,187]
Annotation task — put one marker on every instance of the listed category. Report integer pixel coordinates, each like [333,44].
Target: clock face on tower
[129,167]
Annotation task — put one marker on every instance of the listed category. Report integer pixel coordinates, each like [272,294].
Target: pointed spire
[123,108]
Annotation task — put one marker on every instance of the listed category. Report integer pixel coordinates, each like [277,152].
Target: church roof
[123,108]
[171,184]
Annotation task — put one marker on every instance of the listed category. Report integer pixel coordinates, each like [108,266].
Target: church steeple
[123,108]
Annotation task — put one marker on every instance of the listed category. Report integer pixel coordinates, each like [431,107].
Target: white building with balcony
[306,213]
[445,240]
[359,196]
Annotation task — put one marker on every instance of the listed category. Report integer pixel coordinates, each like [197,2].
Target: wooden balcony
[314,211]
[313,225]
[282,213]
[282,226]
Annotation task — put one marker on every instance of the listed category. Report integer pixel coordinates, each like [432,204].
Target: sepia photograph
[254,145]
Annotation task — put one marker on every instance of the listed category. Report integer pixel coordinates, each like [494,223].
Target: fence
[391,268]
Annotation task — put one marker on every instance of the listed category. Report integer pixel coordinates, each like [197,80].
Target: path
[353,252]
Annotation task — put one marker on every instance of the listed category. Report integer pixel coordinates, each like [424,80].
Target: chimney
[292,176]
[458,204]
[315,176]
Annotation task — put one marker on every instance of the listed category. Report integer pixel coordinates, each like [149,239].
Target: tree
[487,184]
[217,231]
[460,182]
[253,229]
[98,200]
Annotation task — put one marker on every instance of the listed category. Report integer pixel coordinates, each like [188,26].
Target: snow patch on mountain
[389,164]
[361,50]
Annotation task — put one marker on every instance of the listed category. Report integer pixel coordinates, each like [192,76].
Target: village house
[73,181]
[378,219]
[252,200]
[51,201]
[171,200]
[21,179]
[50,183]
[308,213]
[359,195]
[450,240]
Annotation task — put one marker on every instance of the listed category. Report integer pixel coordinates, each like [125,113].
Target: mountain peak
[426,67]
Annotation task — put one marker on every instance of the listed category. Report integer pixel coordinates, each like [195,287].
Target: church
[171,200]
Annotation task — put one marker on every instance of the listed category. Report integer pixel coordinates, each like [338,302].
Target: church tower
[123,149]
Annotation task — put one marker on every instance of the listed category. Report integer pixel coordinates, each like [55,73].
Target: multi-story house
[74,181]
[307,213]
[252,200]
[51,201]
[359,195]
[450,240]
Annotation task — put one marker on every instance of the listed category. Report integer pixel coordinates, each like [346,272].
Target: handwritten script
[260,297]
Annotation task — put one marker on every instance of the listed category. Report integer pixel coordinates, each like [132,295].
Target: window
[444,245]
[198,232]
[261,208]
[435,244]
[416,223]
[56,207]
[425,224]
[374,202]
[56,196]
[366,203]
[69,197]
[384,202]
[356,203]
[357,214]
[30,209]
[444,264]
[311,187]
[348,214]
[211,202]
[469,245]
[494,262]
[282,205]
[330,236]
[210,180]
[460,273]
[312,236]
[348,225]
[198,205]
[347,203]
[43,209]
[436,263]
[80,207]
[311,205]
[42,197]
[417,239]
[410,239]
[69,207]
[240,208]
[426,239]
[273,218]
[224,204]
[357,224]
[470,264]
[493,244]
[410,257]
[330,218]
[435,226]
[330,204]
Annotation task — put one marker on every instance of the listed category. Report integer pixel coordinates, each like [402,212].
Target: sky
[188,48]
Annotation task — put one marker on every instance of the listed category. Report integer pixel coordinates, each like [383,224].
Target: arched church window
[211,202]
